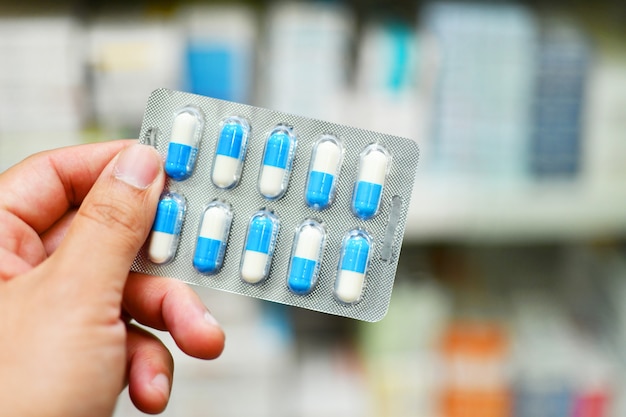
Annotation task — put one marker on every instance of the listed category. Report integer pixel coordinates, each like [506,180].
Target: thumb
[112,222]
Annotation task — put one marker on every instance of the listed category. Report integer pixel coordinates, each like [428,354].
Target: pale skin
[71,222]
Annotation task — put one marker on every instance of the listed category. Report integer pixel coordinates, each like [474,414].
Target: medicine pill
[356,249]
[368,189]
[259,247]
[306,255]
[330,232]
[323,171]
[183,145]
[280,148]
[166,228]
[212,238]
[230,152]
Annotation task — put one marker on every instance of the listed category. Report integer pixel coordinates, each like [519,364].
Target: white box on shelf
[128,60]
[304,69]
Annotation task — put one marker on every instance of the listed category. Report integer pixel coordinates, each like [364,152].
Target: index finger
[40,189]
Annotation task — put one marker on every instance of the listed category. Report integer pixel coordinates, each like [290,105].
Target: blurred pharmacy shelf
[519,116]
[509,296]
[538,213]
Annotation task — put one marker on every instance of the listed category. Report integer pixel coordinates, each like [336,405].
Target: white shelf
[449,212]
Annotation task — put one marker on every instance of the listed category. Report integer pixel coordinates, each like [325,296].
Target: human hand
[66,296]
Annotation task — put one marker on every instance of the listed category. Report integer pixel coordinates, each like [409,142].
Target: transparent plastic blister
[324,168]
[256,257]
[212,237]
[280,148]
[230,152]
[166,229]
[306,257]
[356,251]
[183,144]
[276,206]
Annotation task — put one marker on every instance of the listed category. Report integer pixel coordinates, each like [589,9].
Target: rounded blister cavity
[184,142]
[259,247]
[326,159]
[280,148]
[374,165]
[306,257]
[212,238]
[166,228]
[356,250]
[230,152]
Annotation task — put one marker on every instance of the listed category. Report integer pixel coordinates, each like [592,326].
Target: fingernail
[161,383]
[209,318]
[138,166]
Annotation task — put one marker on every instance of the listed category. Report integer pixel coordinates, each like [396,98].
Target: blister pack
[276,206]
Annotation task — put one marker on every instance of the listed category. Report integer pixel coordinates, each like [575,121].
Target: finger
[111,223]
[169,304]
[53,237]
[150,371]
[12,265]
[21,240]
[41,188]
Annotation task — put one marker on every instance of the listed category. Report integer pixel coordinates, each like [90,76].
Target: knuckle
[121,217]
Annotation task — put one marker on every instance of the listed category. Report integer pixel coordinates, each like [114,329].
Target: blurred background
[509,300]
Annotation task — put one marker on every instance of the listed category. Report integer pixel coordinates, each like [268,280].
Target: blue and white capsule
[306,257]
[368,189]
[280,149]
[230,152]
[184,142]
[326,159]
[356,251]
[212,238]
[259,247]
[166,228]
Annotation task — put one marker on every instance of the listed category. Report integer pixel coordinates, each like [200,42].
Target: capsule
[368,189]
[230,152]
[306,255]
[166,228]
[323,172]
[356,248]
[212,238]
[259,247]
[277,159]
[184,142]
